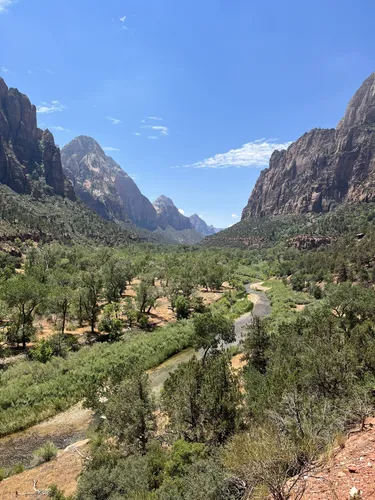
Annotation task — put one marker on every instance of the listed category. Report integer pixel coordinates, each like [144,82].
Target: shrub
[46,453]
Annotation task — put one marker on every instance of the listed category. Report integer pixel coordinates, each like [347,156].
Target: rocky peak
[201,226]
[164,201]
[361,108]
[168,215]
[103,186]
[324,167]
[26,152]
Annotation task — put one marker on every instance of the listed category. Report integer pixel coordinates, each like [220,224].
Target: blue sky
[211,75]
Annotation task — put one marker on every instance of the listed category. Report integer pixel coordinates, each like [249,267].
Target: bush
[46,453]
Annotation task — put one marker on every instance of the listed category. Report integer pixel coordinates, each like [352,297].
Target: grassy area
[31,392]
[284,300]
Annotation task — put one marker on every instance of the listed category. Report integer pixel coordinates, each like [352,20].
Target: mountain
[201,226]
[324,167]
[30,162]
[168,215]
[175,227]
[103,186]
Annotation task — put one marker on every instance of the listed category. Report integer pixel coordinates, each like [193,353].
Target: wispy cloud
[159,128]
[252,154]
[123,19]
[50,108]
[182,212]
[110,148]
[156,118]
[49,71]
[137,134]
[234,216]
[115,121]
[3,69]
[59,128]
[4,4]
[153,137]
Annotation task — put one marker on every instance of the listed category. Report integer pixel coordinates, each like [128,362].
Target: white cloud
[58,128]
[182,212]
[253,154]
[122,19]
[110,148]
[4,4]
[4,70]
[137,134]
[159,128]
[152,137]
[132,177]
[115,121]
[156,118]
[50,108]
[234,216]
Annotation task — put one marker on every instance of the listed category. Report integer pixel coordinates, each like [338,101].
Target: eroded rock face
[307,242]
[25,151]
[103,186]
[324,167]
[168,215]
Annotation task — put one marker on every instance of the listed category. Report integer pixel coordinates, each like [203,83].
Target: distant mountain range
[31,163]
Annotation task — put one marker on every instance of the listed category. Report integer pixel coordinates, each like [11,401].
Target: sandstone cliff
[323,167]
[103,186]
[27,154]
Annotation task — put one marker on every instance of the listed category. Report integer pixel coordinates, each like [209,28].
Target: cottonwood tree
[23,294]
[210,330]
[61,295]
[91,285]
[146,296]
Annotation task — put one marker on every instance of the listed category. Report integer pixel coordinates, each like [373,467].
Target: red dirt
[352,466]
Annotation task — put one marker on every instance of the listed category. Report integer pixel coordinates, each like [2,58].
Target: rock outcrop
[27,153]
[324,167]
[201,226]
[103,186]
[168,215]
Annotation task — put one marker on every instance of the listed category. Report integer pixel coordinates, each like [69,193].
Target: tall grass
[31,392]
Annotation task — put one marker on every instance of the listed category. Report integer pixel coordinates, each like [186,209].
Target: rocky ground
[352,468]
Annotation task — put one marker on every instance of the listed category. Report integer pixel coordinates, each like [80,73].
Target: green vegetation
[46,453]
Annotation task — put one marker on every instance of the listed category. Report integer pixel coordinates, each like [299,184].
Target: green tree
[146,296]
[114,279]
[256,344]
[61,294]
[182,307]
[211,330]
[24,294]
[129,412]
[92,285]
[110,323]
